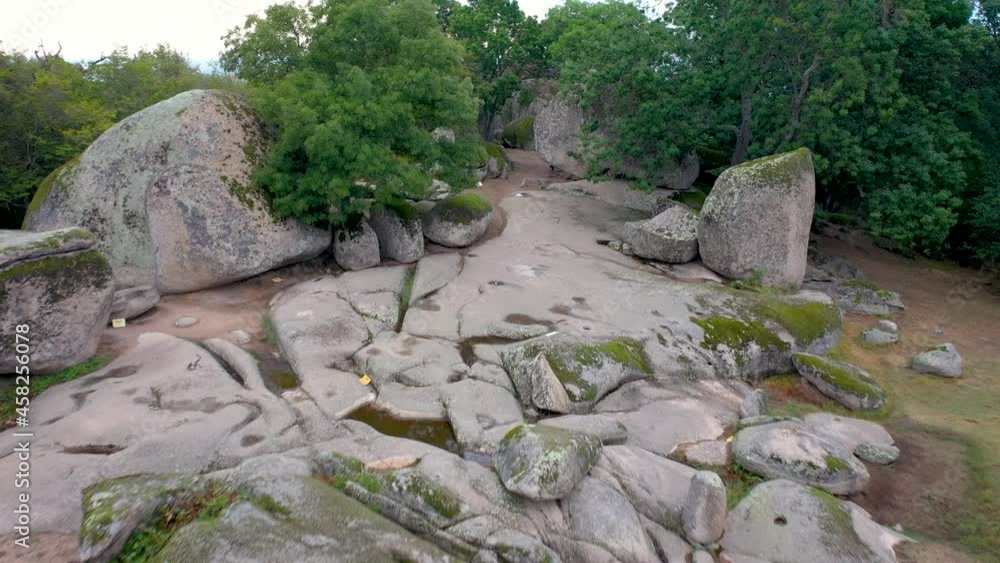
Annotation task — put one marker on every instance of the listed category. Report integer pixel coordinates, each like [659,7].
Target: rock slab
[544,462]
[671,236]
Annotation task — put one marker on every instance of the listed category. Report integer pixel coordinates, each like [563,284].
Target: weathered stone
[186,322]
[130,303]
[547,392]
[671,236]
[58,288]
[714,453]
[588,369]
[888,326]
[942,360]
[557,129]
[862,296]
[756,221]
[492,374]
[168,194]
[605,517]
[754,404]
[420,362]
[545,463]
[480,413]
[849,385]
[357,248]
[400,233]
[459,220]
[619,193]
[670,544]
[656,486]
[704,515]
[608,430]
[880,455]
[879,337]
[784,521]
[851,432]
[791,450]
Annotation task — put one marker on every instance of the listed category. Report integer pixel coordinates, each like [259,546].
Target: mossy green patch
[269,330]
[63,275]
[739,482]
[694,199]
[405,210]
[842,376]
[46,187]
[738,335]
[520,134]
[834,463]
[806,322]
[464,208]
[568,360]
[436,497]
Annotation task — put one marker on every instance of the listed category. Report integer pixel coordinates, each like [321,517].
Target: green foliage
[266,49]
[41,383]
[910,220]
[355,122]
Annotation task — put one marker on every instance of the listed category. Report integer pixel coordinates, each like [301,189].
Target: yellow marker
[729,440]
[118,323]
[365,380]
[277,280]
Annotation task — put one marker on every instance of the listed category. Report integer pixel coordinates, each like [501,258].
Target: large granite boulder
[400,233]
[756,221]
[459,220]
[794,450]
[943,360]
[784,521]
[168,194]
[671,236]
[58,286]
[557,129]
[847,384]
[544,462]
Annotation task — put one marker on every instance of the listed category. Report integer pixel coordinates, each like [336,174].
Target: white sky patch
[88,29]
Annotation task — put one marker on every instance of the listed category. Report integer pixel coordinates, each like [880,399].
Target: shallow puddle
[436,433]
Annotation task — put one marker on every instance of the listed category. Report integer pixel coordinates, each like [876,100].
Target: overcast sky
[89,28]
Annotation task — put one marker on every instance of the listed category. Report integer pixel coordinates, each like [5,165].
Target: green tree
[356,121]
[268,48]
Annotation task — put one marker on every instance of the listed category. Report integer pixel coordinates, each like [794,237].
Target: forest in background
[899,100]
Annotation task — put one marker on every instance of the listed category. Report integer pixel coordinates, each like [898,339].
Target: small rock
[849,385]
[754,404]
[888,326]
[627,249]
[357,248]
[942,360]
[878,454]
[242,336]
[713,453]
[543,462]
[704,516]
[186,322]
[400,233]
[702,557]
[547,392]
[671,236]
[459,220]
[879,337]
[392,463]
[862,296]
[130,303]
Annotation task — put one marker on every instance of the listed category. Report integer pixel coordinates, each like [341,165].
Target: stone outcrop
[134,301]
[58,286]
[168,194]
[755,223]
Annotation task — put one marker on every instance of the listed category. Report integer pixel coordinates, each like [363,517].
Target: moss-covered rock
[863,296]
[757,219]
[588,369]
[520,134]
[58,286]
[849,385]
[400,232]
[545,462]
[459,220]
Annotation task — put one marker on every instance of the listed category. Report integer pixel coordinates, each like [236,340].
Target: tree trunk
[744,135]
[800,96]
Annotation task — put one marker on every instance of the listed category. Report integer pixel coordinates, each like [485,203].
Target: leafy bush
[912,221]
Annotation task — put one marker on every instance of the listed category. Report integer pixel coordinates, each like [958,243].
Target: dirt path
[242,306]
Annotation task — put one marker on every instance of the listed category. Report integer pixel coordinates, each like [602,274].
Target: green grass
[739,482]
[40,383]
[980,520]
[737,334]
[270,331]
[405,296]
